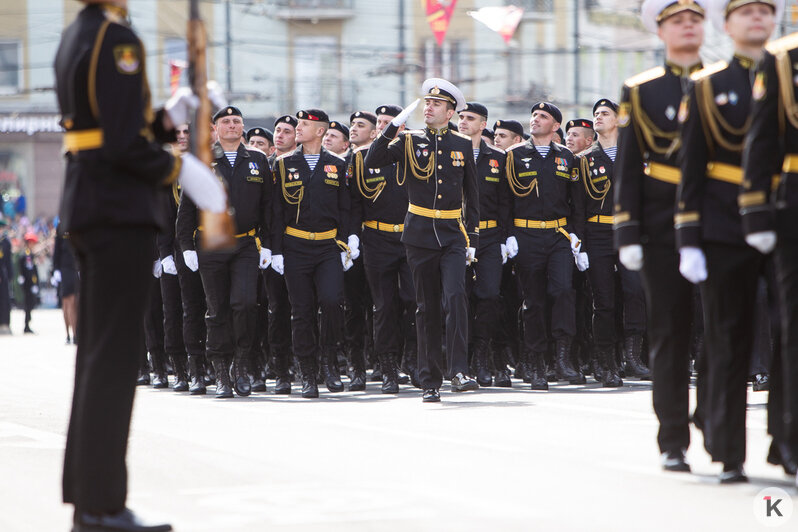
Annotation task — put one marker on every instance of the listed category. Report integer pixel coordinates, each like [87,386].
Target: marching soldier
[262,139]
[336,140]
[28,278]
[113,151]
[647,175]
[494,210]
[507,133]
[230,277]
[548,216]
[768,218]
[579,135]
[311,210]
[438,241]
[6,274]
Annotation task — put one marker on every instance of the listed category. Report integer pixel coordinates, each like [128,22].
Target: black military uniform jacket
[63,256]
[597,177]
[378,195]
[113,137]
[714,124]
[5,261]
[647,165]
[249,190]
[28,270]
[314,201]
[169,200]
[772,143]
[440,174]
[545,189]
[494,194]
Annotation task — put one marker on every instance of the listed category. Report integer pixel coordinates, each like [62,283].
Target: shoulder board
[781,45]
[362,148]
[645,77]
[496,149]
[256,150]
[342,159]
[283,156]
[417,132]
[517,145]
[709,70]
[460,134]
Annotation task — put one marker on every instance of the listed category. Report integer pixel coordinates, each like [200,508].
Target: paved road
[573,458]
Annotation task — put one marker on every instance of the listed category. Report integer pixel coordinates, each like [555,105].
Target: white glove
[512,246]
[216,95]
[504,253]
[278,264]
[582,263]
[354,246]
[34,289]
[763,242]
[181,105]
[202,185]
[402,117]
[576,245]
[471,253]
[168,264]
[265,258]
[191,260]
[346,261]
[56,278]
[21,280]
[157,269]
[693,264]
[631,256]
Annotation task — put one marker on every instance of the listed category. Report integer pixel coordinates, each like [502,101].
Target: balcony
[313,10]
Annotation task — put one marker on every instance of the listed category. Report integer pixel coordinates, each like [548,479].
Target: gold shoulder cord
[518,188]
[714,119]
[397,176]
[175,193]
[649,130]
[590,188]
[784,71]
[410,160]
[292,198]
[368,193]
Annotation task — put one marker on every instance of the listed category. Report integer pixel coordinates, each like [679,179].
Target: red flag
[503,20]
[175,71]
[439,14]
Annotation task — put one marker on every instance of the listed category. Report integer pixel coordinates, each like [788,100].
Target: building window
[316,72]
[9,66]
[444,61]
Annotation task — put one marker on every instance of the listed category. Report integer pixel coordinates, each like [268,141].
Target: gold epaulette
[645,77]
[781,45]
[460,134]
[709,70]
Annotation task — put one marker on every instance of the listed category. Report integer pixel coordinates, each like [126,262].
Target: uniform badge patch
[670,112]
[758,91]
[623,114]
[127,58]
[721,99]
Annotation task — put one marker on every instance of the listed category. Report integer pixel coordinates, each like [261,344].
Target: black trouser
[153,323]
[786,259]
[230,282]
[669,300]
[358,299]
[5,299]
[483,282]
[439,279]
[509,333]
[603,263]
[279,316]
[391,286]
[115,275]
[192,296]
[729,299]
[29,305]
[172,315]
[314,277]
[546,267]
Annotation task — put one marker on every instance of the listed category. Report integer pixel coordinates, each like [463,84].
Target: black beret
[604,102]
[579,122]
[226,111]
[550,108]
[487,132]
[476,108]
[286,119]
[560,134]
[365,115]
[314,115]
[260,132]
[510,125]
[390,110]
[340,127]
[525,136]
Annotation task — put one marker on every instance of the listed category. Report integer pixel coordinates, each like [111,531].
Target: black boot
[330,372]
[144,377]
[181,373]
[562,362]
[357,382]
[223,388]
[307,367]
[159,375]
[376,372]
[196,369]
[388,365]
[537,372]
[410,365]
[522,368]
[502,375]
[610,377]
[240,376]
[484,377]
[632,349]
[282,384]
[596,364]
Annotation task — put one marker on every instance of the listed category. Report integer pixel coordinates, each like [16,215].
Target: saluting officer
[311,213]
[494,211]
[647,175]
[769,221]
[438,239]
[548,216]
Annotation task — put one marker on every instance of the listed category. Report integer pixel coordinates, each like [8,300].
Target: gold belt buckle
[396,228]
[543,224]
[437,213]
[311,236]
